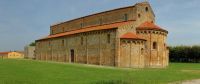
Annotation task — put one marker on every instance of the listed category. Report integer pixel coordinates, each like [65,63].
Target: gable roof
[149,26]
[130,35]
[87,29]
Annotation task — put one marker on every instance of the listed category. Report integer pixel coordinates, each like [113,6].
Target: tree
[32,44]
[185,54]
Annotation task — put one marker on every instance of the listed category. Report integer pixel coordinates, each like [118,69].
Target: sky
[24,21]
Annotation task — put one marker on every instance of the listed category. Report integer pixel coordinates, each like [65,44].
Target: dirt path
[195,81]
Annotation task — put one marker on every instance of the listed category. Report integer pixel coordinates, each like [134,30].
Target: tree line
[184,54]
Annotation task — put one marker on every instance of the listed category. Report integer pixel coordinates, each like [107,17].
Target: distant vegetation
[185,54]
[32,44]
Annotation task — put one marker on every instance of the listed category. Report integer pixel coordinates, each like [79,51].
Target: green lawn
[37,72]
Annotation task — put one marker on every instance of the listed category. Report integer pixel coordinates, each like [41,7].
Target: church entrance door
[72,55]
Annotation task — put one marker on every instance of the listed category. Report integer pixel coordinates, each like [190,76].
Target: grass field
[38,72]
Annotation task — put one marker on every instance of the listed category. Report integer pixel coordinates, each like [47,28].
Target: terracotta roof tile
[149,26]
[93,28]
[4,53]
[130,35]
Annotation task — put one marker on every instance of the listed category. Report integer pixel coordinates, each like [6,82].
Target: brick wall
[97,19]
[94,48]
[132,53]
[155,57]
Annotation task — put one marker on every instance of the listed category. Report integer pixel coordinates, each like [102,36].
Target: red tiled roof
[93,28]
[4,52]
[149,26]
[130,35]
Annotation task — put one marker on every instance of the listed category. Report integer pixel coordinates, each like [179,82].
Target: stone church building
[123,37]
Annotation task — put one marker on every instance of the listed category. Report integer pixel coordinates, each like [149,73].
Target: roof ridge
[99,27]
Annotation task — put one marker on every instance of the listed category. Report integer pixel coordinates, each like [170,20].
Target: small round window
[146,9]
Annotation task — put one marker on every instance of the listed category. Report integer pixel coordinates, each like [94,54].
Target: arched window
[81,40]
[155,45]
[108,38]
[126,17]
[63,42]
[146,9]
[139,15]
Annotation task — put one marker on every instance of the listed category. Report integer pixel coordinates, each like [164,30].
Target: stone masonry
[123,37]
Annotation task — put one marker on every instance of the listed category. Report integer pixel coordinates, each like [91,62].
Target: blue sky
[23,21]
